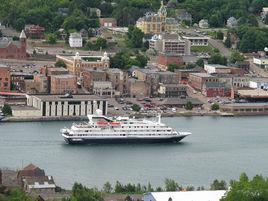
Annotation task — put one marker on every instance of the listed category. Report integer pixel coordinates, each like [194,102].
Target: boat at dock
[103,130]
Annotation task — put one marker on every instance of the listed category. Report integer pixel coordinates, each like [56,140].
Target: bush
[189,105]
[215,106]
[60,64]
[7,110]
[136,108]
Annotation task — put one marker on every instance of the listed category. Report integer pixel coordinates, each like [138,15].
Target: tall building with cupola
[157,22]
[76,64]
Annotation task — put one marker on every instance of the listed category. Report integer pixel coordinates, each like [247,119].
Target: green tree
[82,193]
[218,185]
[171,185]
[107,187]
[135,37]
[215,106]
[60,63]
[236,56]
[227,41]
[51,38]
[136,108]
[1,34]
[189,105]
[217,59]
[248,190]
[173,66]
[200,63]
[7,110]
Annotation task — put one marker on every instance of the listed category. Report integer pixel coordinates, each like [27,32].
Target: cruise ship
[101,130]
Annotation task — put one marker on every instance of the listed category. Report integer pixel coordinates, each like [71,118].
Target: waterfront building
[172,90]
[60,106]
[185,196]
[34,31]
[138,88]
[4,78]
[10,49]
[245,108]
[108,22]
[33,179]
[157,22]
[183,74]
[103,88]
[212,89]
[170,44]
[77,64]
[62,84]
[75,40]
[197,80]
[89,76]
[118,79]
[18,80]
[197,40]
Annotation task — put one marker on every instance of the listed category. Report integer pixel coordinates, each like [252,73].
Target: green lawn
[208,49]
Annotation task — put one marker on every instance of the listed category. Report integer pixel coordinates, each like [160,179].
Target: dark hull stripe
[126,140]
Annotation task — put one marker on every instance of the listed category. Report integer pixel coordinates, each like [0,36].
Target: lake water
[219,147]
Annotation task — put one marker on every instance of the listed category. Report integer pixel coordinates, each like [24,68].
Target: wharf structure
[53,106]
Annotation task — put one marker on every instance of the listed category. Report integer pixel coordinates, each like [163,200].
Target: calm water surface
[220,148]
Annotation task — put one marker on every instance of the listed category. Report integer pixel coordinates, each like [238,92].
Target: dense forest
[76,14]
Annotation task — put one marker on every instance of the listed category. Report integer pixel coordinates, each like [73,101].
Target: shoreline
[137,115]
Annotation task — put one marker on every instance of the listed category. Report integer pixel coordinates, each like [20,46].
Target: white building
[216,68]
[185,196]
[75,40]
[203,24]
[259,83]
[60,106]
[197,40]
[261,62]
[170,44]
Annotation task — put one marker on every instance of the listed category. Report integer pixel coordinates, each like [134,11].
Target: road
[257,70]
[220,46]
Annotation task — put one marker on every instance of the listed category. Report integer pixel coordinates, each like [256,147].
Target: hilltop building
[75,40]
[34,31]
[157,22]
[10,49]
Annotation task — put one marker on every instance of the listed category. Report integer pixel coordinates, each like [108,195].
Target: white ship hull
[122,140]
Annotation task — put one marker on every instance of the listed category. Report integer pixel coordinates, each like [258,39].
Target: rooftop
[189,195]
[217,66]
[253,93]
[64,76]
[201,74]
[82,97]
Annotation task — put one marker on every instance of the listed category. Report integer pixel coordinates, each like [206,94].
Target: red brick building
[197,80]
[61,84]
[90,76]
[216,89]
[164,60]
[13,49]
[4,78]
[108,22]
[34,31]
